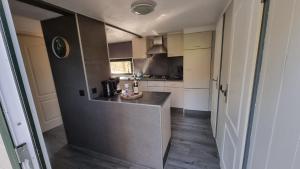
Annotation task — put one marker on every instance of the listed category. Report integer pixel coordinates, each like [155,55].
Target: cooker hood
[158,47]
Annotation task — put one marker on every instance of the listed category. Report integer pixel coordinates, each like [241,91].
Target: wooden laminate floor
[192,147]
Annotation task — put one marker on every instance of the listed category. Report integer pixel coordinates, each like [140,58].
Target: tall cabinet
[196,73]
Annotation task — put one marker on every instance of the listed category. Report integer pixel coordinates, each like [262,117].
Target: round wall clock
[60,47]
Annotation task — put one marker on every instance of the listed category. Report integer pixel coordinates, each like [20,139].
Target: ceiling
[25,10]
[114,35]
[168,16]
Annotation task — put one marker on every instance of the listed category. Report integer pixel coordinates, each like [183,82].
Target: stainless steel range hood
[158,46]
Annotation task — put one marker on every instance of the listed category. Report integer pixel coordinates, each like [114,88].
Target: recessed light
[143,7]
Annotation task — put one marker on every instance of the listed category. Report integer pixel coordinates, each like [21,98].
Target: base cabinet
[156,89]
[174,87]
[176,96]
[196,99]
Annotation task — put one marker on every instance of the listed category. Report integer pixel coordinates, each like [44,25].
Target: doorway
[27,22]
[38,69]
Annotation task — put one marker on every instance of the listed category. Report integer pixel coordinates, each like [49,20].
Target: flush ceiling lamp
[142,7]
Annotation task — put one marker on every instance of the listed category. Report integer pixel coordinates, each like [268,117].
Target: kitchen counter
[126,129]
[152,79]
[157,79]
[148,98]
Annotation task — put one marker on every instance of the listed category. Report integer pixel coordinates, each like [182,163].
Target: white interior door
[224,73]
[242,24]
[275,140]
[216,73]
[38,69]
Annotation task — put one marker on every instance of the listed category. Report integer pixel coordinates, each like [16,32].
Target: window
[121,66]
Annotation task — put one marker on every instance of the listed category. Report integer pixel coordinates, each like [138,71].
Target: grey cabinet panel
[94,50]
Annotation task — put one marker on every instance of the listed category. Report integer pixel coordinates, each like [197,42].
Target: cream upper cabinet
[139,48]
[175,44]
[196,65]
[197,40]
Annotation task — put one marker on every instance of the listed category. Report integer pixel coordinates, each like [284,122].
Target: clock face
[60,47]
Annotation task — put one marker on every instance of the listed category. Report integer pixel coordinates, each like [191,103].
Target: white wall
[4,160]
[27,26]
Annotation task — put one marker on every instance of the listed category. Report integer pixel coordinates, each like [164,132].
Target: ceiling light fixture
[143,7]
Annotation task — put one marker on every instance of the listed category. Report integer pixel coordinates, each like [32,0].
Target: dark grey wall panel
[105,127]
[94,47]
[67,73]
[120,50]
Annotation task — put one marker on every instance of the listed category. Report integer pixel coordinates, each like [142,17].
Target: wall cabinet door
[197,68]
[198,40]
[176,96]
[139,48]
[196,99]
[175,44]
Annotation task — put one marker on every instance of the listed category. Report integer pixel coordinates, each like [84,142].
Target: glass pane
[121,67]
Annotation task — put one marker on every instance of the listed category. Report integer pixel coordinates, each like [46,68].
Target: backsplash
[160,65]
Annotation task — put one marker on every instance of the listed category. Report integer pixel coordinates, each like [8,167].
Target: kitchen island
[138,130]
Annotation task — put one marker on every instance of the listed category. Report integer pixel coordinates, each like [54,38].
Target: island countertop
[148,98]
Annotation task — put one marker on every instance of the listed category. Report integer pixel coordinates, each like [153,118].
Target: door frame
[220,74]
[256,80]
[13,52]
[8,141]
[215,83]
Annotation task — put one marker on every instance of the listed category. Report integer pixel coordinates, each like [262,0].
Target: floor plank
[192,147]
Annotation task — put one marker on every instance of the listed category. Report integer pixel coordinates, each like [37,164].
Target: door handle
[215,80]
[224,91]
